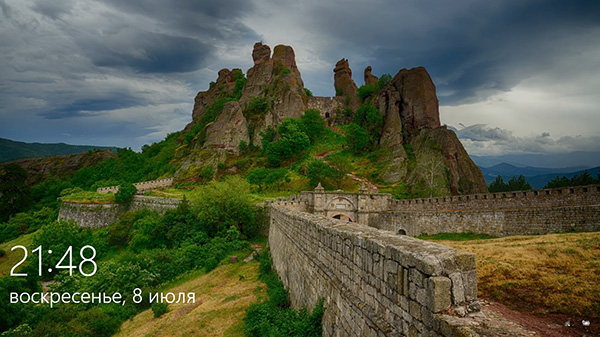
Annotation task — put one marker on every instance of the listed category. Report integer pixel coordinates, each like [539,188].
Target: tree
[498,185]
[319,171]
[357,138]
[292,140]
[518,184]
[125,194]
[313,124]
[15,194]
[369,117]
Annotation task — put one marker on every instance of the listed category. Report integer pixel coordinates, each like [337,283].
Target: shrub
[125,194]
[273,317]
[313,124]
[385,78]
[308,92]
[319,171]
[159,309]
[357,138]
[58,236]
[366,91]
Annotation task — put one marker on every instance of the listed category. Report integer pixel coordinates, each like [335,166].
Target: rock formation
[276,80]
[344,84]
[370,79]
[419,152]
[228,130]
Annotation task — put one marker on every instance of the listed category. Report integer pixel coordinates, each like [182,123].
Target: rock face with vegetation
[40,169]
[394,118]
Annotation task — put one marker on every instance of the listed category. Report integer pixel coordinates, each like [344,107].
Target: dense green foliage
[292,140]
[357,138]
[582,179]
[516,183]
[308,92]
[367,90]
[266,177]
[15,195]
[125,193]
[141,250]
[328,176]
[25,223]
[468,236]
[371,120]
[273,316]
[159,309]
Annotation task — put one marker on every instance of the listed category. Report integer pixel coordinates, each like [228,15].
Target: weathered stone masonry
[141,186]
[102,215]
[500,214]
[375,283]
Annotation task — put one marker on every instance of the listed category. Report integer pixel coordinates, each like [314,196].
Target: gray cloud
[480,139]
[70,65]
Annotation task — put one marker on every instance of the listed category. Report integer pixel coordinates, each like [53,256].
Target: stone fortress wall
[102,215]
[374,282]
[499,214]
[378,283]
[141,186]
[326,105]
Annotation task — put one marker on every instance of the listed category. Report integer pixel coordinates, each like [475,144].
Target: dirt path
[499,320]
[369,185]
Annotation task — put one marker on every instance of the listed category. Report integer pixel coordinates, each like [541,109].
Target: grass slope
[8,261]
[222,297]
[557,273]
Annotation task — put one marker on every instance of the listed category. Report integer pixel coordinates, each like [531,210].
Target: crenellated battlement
[141,186]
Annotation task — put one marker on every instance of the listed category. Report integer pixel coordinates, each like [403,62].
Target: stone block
[469,279]
[465,260]
[438,293]
[458,290]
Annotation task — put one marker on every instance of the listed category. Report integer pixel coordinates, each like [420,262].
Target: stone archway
[340,207]
[401,231]
[343,217]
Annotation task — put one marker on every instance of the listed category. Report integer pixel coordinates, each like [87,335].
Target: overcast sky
[512,76]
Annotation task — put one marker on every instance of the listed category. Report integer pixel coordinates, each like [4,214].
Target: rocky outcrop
[418,151]
[440,164]
[276,80]
[410,94]
[228,130]
[344,84]
[223,87]
[370,79]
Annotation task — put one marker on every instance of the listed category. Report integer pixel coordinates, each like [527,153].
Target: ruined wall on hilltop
[102,215]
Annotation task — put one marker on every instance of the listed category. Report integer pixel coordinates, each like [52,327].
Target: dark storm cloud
[471,48]
[150,53]
[86,107]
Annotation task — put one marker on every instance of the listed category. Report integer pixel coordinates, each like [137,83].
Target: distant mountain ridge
[11,150]
[536,176]
[578,159]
